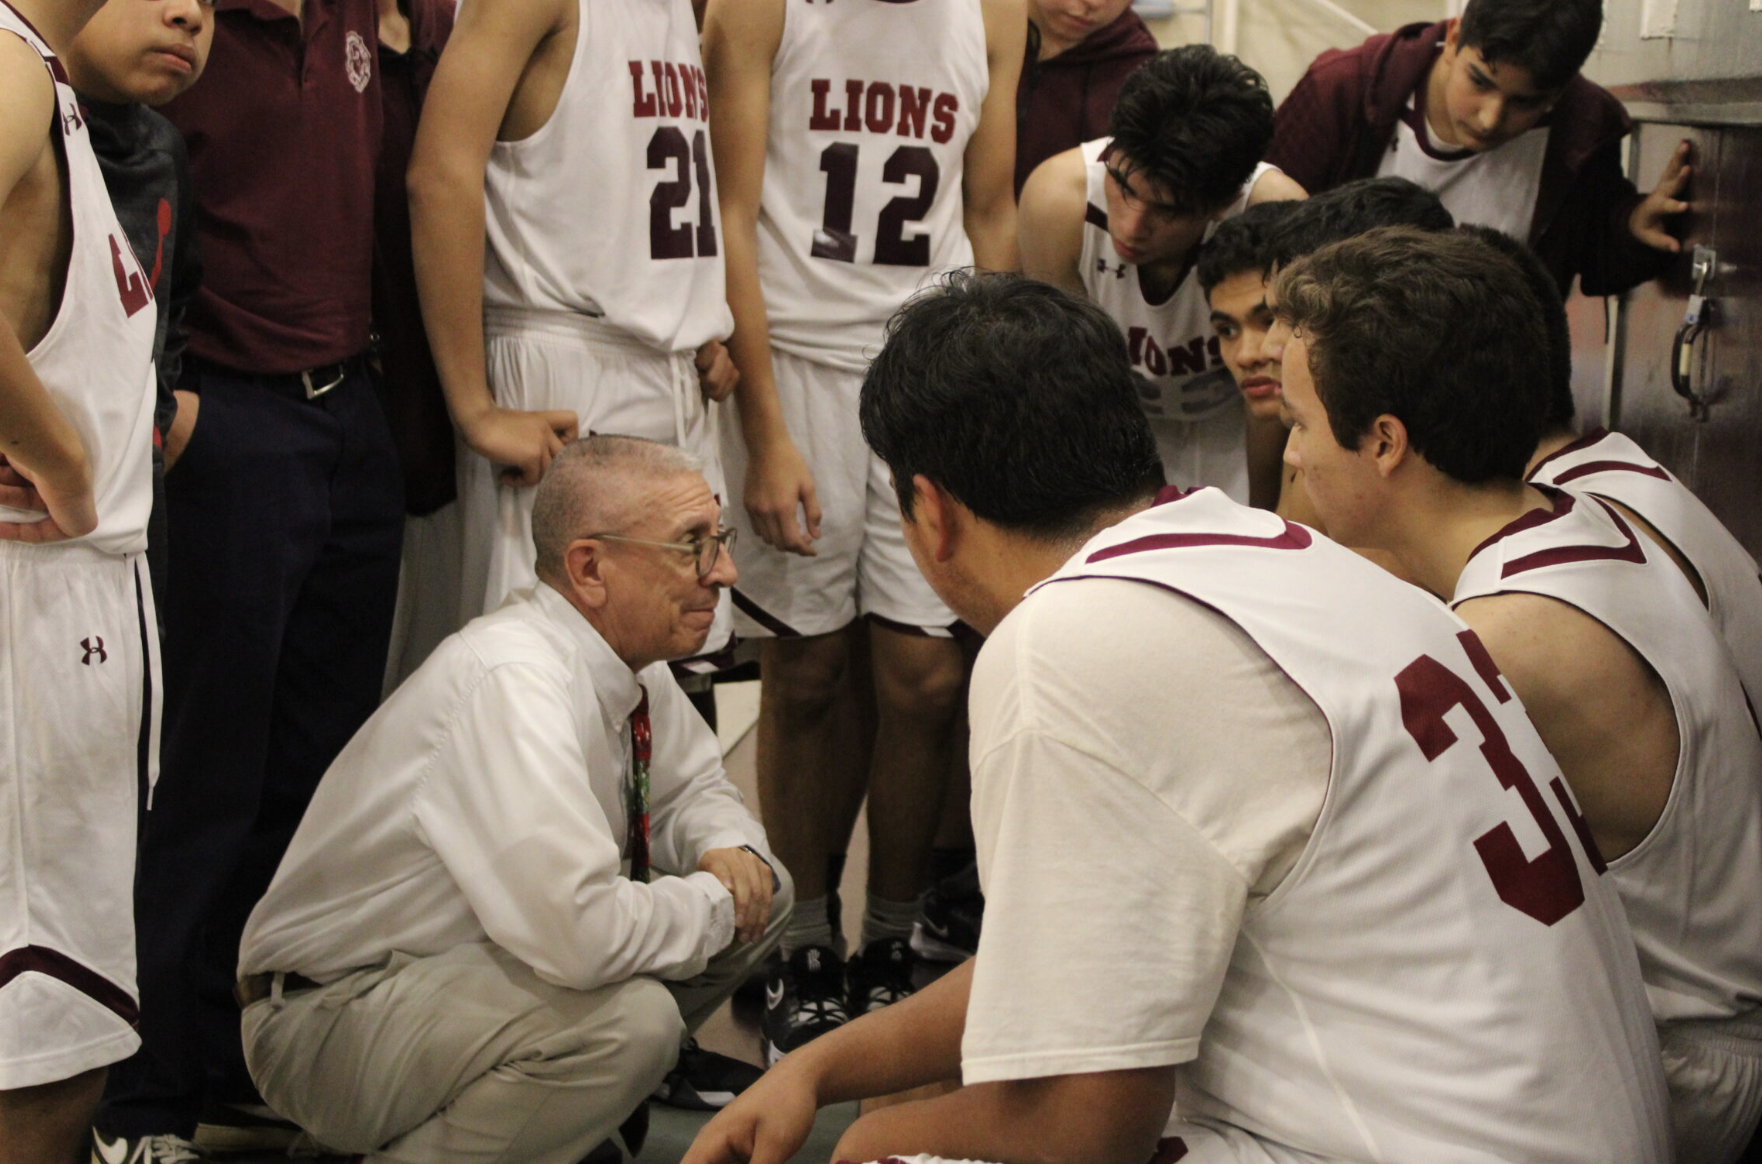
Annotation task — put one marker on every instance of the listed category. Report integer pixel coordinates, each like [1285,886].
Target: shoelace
[169,1150]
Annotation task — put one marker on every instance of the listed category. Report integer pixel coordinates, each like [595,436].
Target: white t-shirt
[1106,786]
[1497,188]
[485,801]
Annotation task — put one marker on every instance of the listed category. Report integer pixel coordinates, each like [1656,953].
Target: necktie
[641,744]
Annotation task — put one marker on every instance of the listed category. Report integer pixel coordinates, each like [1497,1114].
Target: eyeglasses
[1160,211]
[704,551]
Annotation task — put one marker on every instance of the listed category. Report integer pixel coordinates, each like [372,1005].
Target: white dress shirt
[485,801]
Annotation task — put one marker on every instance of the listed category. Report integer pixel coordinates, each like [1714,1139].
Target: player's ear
[934,512]
[1386,444]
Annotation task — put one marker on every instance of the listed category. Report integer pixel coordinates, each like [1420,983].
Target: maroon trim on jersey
[1483,664]
[763,617]
[1560,505]
[1589,467]
[56,965]
[1565,555]
[1094,215]
[1295,537]
[1169,493]
[1582,443]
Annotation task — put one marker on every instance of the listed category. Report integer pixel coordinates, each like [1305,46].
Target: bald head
[598,485]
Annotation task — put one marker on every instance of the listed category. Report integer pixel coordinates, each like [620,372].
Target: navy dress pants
[285,521]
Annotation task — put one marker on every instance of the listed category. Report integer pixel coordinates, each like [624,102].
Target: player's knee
[804,675]
[920,683]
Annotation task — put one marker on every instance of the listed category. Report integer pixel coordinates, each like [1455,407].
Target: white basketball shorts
[614,384]
[1714,1070]
[1194,1144]
[78,745]
[862,565]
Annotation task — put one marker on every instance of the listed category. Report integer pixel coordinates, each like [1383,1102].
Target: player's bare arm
[740,40]
[1112,1117]
[500,78]
[1603,712]
[988,195]
[1276,186]
[48,461]
[1050,221]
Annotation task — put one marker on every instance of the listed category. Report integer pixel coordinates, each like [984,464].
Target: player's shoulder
[1544,643]
[1274,185]
[1058,189]
[1005,21]
[27,107]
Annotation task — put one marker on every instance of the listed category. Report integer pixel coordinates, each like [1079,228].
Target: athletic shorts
[1714,1070]
[862,565]
[539,360]
[78,746]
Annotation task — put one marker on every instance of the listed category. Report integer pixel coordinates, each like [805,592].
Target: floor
[733,1030]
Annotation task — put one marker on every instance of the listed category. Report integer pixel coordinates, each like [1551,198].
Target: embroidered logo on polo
[359,60]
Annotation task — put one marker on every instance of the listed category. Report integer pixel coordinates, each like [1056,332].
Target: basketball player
[568,251]
[1233,849]
[1613,467]
[1121,219]
[1234,268]
[78,657]
[863,147]
[1414,372]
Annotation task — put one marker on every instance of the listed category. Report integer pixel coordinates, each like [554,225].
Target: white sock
[809,926]
[889,919]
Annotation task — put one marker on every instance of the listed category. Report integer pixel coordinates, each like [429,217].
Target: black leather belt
[257,987]
[308,384]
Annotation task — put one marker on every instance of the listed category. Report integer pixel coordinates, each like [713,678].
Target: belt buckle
[314,391]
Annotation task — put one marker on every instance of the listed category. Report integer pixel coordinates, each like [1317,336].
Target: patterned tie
[641,743]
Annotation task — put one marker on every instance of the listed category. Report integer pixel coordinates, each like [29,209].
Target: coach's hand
[1647,220]
[522,442]
[67,501]
[778,484]
[748,878]
[766,1124]
[183,425]
[716,373]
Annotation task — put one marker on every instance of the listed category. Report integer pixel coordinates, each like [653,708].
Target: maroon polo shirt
[284,134]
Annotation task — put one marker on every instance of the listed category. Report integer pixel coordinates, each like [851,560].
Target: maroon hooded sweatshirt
[1066,100]
[1342,115]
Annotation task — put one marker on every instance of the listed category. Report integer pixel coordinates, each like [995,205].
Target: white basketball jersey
[1195,409]
[1610,465]
[1691,886]
[872,105]
[1444,975]
[1497,188]
[96,360]
[609,210]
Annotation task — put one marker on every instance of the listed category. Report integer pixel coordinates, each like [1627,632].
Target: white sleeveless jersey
[1690,887]
[609,210]
[96,360]
[1443,976]
[1192,401]
[1612,466]
[872,105]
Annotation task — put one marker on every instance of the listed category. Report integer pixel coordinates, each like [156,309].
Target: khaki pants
[469,1056]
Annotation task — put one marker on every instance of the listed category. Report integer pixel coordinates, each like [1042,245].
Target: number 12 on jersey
[836,239]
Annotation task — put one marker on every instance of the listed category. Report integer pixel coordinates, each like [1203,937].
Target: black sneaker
[880,975]
[948,928]
[705,1081]
[803,1000]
